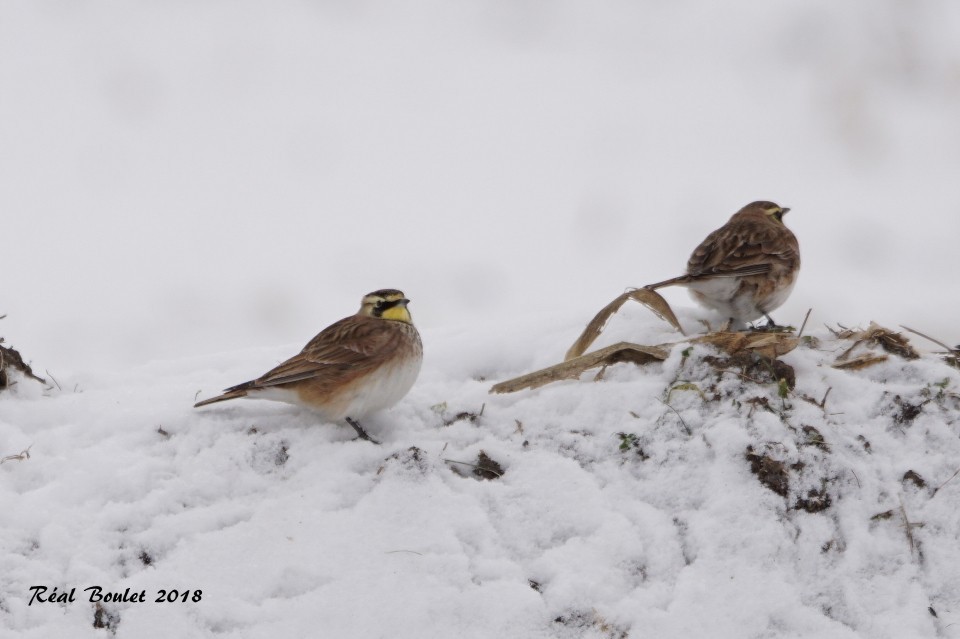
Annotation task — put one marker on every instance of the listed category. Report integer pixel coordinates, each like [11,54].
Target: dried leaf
[888,340]
[649,298]
[573,368]
[892,342]
[771,345]
[863,361]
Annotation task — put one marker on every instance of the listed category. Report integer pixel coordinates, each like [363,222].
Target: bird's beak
[403,302]
[784,211]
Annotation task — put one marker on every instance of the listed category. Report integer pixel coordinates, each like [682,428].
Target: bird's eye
[379,303]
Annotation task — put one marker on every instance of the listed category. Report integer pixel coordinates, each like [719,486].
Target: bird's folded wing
[746,249]
[353,344]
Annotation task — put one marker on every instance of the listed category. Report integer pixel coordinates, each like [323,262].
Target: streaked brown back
[750,238]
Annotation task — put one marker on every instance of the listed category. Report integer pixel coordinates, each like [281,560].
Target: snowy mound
[708,495]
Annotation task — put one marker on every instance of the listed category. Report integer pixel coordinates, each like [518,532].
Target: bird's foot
[771,327]
[360,431]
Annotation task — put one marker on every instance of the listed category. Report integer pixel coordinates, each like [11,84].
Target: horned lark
[361,364]
[746,268]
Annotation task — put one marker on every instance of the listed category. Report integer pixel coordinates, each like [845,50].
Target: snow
[291,527]
[190,192]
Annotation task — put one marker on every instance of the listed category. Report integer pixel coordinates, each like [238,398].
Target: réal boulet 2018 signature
[98,595]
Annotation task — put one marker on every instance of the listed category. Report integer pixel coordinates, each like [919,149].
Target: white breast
[381,389]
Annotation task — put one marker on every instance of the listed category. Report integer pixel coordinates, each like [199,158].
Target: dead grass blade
[649,298]
[937,489]
[862,361]
[573,368]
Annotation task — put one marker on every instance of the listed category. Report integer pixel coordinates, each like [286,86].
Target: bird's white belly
[725,296]
[720,294]
[379,390]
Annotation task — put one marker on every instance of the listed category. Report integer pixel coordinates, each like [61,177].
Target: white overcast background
[189,191]
[183,178]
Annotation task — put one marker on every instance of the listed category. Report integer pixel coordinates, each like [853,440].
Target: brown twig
[908,527]
[804,325]
[937,489]
[935,341]
[822,403]
[857,478]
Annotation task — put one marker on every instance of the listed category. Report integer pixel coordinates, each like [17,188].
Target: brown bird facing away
[746,268]
[357,366]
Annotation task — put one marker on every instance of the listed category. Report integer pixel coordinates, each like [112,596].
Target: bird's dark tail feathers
[232,394]
[683,279]
[751,269]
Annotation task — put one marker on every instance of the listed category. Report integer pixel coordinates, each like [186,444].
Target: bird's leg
[771,326]
[360,431]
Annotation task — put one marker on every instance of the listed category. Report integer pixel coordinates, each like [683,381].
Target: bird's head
[771,210]
[388,304]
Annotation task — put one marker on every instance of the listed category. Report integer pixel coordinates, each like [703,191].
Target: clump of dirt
[105,619]
[906,412]
[771,472]
[756,367]
[582,623]
[412,458]
[913,477]
[815,501]
[776,469]
[631,442]
[487,468]
[10,359]
[813,437]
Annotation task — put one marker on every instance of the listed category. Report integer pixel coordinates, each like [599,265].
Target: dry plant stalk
[952,354]
[908,527]
[649,298]
[573,368]
[768,344]
[771,345]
